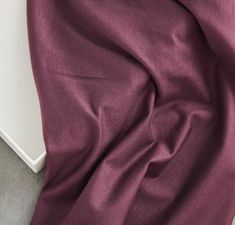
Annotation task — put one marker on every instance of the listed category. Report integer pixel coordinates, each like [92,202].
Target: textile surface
[137,102]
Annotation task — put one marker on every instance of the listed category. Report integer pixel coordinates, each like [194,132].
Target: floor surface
[19,188]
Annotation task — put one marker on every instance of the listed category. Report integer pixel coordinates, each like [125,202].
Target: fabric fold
[137,102]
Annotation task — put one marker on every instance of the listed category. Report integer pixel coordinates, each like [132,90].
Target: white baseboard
[36,165]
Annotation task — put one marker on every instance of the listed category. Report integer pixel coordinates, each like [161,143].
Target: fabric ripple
[137,102]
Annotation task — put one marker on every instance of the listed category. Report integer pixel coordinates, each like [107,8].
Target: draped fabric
[137,102]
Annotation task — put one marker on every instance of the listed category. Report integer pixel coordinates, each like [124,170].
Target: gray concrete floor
[19,188]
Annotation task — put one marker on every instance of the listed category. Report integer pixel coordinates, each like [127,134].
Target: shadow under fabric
[138,109]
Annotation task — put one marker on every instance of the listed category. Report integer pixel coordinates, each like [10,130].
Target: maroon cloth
[137,101]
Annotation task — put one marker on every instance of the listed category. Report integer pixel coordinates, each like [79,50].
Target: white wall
[20,121]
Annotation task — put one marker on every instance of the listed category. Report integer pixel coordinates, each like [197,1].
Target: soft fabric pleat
[137,103]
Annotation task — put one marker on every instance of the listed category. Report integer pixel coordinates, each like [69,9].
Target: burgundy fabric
[138,109]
